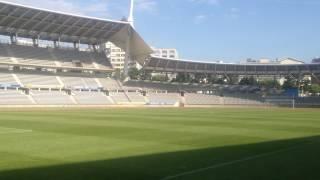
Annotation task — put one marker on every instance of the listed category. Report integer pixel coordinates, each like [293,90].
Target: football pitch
[160,144]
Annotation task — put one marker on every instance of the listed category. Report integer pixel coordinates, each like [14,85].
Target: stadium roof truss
[30,22]
[185,66]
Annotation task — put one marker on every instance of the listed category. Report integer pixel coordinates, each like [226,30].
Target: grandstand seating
[203,99]
[4,55]
[120,98]
[30,55]
[83,96]
[53,57]
[49,80]
[91,98]
[136,97]
[110,84]
[74,82]
[176,87]
[39,80]
[51,98]
[46,87]
[163,98]
[7,79]
[13,97]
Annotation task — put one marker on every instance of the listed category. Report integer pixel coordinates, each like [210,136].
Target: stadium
[64,115]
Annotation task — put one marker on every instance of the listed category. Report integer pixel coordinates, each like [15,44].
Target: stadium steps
[120,98]
[17,79]
[31,99]
[127,96]
[136,98]
[60,81]
[111,100]
[73,99]
[98,82]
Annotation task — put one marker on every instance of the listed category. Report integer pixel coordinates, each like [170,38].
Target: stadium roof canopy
[160,64]
[30,22]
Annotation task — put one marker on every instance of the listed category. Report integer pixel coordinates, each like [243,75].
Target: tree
[182,78]
[145,75]
[270,84]
[159,77]
[250,81]
[290,83]
[305,85]
[134,73]
[315,89]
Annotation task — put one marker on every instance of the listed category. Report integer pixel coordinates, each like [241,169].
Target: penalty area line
[258,156]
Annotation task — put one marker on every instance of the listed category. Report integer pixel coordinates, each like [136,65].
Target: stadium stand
[158,64]
[33,74]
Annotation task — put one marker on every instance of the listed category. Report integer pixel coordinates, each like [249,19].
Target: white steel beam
[9,15]
[70,27]
[40,22]
[19,18]
[30,20]
[63,24]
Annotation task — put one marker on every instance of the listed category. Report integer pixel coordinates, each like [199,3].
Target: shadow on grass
[298,159]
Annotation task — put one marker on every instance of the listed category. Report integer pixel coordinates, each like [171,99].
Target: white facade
[166,53]
[290,61]
[116,55]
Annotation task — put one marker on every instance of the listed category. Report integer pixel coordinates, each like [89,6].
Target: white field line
[235,161]
[13,130]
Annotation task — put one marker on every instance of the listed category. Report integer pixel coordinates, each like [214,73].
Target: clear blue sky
[228,30]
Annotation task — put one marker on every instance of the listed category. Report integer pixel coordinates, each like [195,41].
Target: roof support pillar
[76,45]
[94,46]
[59,41]
[13,38]
[35,41]
[55,44]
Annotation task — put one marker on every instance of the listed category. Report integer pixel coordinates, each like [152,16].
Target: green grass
[264,144]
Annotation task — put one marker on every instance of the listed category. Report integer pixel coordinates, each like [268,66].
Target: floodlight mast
[128,57]
[130,18]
